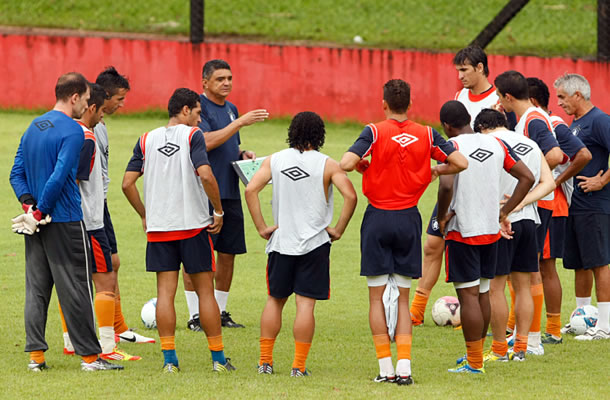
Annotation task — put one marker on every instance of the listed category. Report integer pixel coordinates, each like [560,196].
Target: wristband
[219,215]
[241,154]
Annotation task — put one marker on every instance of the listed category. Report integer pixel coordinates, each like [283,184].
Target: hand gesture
[333,233]
[362,165]
[267,231]
[592,183]
[253,116]
[216,225]
[442,224]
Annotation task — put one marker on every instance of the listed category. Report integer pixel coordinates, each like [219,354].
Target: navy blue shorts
[519,254]
[100,250]
[541,230]
[390,242]
[467,263]
[433,228]
[109,229]
[307,275]
[587,243]
[554,239]
[231,239]
[196,254]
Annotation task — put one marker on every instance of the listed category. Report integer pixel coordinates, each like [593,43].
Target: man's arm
[335,175]
[554,157]
[545,186]
[525,179]
[210,186]
[18,179]
[214,139]
[353,157]
[256,184]
[445,194]
[579,161]
[130,191]
[454,164]
[539,132]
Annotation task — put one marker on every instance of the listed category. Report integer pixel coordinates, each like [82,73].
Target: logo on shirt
[480,155]
[404,139]
[231,115]
[522,149]
[44,125]
[295,173]
[169,149]
[576,131]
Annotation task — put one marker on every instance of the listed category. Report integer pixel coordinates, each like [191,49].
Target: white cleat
[567,328]
[130,336]
[593,334]
[535,350]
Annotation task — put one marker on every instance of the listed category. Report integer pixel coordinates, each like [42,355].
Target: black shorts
[390,242]
[587,243]
[196,254]
[109,229]
[433,228]
[231,239]
[100,251]
[519,254]
[554,240]
[541,230]
[467,263]
[306,275]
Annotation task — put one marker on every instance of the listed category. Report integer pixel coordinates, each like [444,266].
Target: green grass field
[342,358]
[542,28]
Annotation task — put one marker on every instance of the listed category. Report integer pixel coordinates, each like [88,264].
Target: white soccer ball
[583,318]
[358,39]
[149,313]
[446,311]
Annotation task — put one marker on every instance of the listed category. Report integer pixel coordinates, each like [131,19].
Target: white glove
[25,224]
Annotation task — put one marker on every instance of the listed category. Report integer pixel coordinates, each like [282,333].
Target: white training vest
[92,190]
[101,136]
[300,208]
[528,151]
[475,103]
[568,186]
[173,192]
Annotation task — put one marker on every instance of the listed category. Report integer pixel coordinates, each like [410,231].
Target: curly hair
[306,131]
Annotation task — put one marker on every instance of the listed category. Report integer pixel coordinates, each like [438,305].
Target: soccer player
[220,125]
[178,183]
[588,226]
[299,241]
[116,86]
[517,257]
[469,211]
[579,156]
[44,180]
[390,237]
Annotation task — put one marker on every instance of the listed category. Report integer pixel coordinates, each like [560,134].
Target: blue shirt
[45,166]
[593,129]
[214,118]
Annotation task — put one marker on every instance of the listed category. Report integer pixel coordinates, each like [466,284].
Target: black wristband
[241,154]
[27,199]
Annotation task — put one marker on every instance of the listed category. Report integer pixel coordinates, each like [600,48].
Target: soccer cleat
[466,368]
[99,365]
[68,352]
[567,328]
[593,334]
[226,367]
[266,368]
[551,339]
[119,355]
[491,356]
[194,324]
[227,322]
[404,380]
[388,379]
[170,368]
[297,373]
[461,360]
[535,350]
[130,336]
[36,367]
[416,322]
[518,356]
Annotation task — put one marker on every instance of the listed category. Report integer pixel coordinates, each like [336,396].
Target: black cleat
[404,380]
[385,379]
[99,365]
[36,367]
[297,373]
[194,324]
[227,322]
[266,368]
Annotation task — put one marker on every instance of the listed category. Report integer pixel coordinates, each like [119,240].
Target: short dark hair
[213,65]
[513,83]
[397,93]
[489,118]
[112,81]
[69,84]
[182,97]
[539,91]
[454,114]
[306,131]
[472,55]
[98,95]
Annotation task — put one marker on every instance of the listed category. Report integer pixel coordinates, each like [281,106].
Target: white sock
[385,367]
[221,299]
[583,301]
[67,342]
[403,367]
[192,302]
[107,339]
[533,340]
[604,316]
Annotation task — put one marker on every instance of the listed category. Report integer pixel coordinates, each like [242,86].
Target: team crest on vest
[522,149]
[295,173]
[576,131]
[169,149]
[231,115]
[404,139]
[480,155]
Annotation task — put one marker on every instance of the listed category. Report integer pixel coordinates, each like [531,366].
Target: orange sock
[301,350]
[215,343]
[483,342]
[168,342]
[418,305]
[553,324]
[511,314]
[104,308]
[37,356]
[499,348]
[538,297]
[119,321]
[474,354]
[64,327]
[89,359]
[382,346]
[266,350]
[520,343]
[403,346]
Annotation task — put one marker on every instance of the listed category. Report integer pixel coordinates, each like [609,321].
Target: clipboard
[246,169]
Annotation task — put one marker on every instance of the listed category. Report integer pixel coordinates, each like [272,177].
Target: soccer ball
[148,313]
[446,311]
[583,318]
